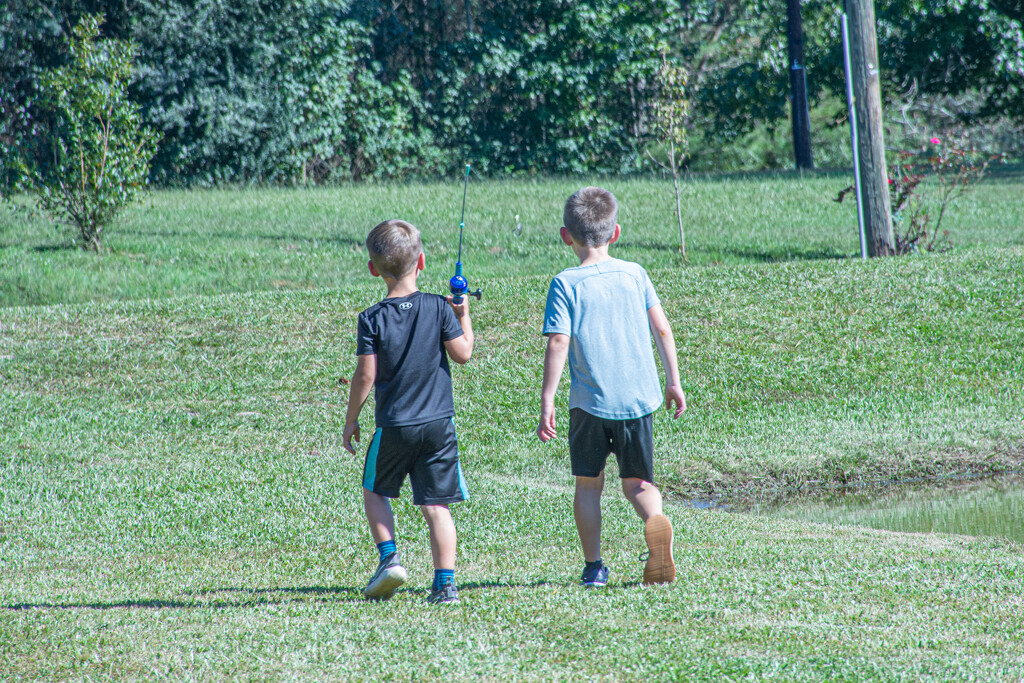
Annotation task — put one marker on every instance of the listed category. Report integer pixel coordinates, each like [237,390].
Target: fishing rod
[458,285]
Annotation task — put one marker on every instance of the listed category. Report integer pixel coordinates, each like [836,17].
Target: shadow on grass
[773,256]
[276,596]
[238,236]
[241,236]
[49,248]
[713,177]
[480,585]
[750,254]
[263,596]
[570,583]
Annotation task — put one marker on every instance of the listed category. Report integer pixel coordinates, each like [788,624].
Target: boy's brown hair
[394,247]
[590,215]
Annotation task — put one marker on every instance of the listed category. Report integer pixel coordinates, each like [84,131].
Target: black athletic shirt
[414,382]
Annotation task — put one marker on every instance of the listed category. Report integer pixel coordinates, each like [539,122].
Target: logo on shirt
[405,305]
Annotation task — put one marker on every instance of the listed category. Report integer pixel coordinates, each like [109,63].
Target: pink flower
[935,141]
[890,181]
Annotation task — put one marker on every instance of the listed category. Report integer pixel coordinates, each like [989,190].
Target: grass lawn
[203,242]
[175,501]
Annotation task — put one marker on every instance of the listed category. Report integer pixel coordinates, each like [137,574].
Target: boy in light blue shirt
[600,316]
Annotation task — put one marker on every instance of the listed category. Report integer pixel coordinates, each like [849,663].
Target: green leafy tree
[670,113]
[285,91]
[34,38]
[97,147]
[278,91]
[535,86]
[205,81]
[963,58]
[565,86]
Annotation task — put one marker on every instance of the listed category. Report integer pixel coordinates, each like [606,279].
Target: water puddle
[979,507]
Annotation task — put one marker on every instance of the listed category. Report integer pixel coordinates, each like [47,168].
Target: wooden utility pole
[798,87]
[870,142]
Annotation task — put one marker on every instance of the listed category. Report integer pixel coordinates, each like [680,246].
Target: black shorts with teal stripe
[427,453]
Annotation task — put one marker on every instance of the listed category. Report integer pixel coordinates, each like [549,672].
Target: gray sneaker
[385,581]
[447,594]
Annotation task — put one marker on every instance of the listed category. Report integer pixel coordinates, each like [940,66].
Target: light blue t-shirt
[603,309]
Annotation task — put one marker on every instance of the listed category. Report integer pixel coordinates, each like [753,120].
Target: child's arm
[460,349]
[358,392]
[554,363]
[666,344]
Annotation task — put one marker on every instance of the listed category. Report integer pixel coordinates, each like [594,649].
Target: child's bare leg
[379,515]
[645,497]
[390,573]
[586,508]
[646,500]
[442,535]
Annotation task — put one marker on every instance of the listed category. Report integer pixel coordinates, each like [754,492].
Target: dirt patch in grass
[739,491]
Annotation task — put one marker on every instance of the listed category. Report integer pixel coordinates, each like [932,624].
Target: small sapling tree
[671,110]
[97,152]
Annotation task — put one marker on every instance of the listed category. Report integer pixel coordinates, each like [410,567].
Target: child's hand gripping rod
[458,285]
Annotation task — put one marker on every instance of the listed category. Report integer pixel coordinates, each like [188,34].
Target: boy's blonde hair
[394,247]
[590,215]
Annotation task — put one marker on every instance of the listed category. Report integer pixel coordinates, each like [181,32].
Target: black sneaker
[595,577]
[447,594]
[385,581]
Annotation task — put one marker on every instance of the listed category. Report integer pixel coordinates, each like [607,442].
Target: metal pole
[851,104]
[798,87]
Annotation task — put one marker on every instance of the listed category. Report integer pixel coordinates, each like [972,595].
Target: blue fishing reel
[459,287]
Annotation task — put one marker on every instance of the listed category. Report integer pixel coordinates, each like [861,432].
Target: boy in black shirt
[403,345]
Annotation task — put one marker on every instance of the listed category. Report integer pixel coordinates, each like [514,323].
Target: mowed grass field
[185,243]
[175,501]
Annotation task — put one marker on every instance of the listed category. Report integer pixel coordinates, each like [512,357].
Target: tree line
[293,91]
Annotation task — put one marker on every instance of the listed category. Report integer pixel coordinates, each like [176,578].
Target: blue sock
[385,548]
[442,577]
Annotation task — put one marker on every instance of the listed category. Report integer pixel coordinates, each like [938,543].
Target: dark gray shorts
[427,453]
[592,438]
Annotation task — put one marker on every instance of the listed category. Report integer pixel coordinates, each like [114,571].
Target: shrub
[923,182]
[97,148]
[916,215]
